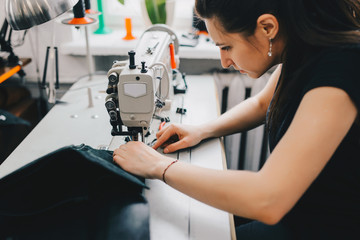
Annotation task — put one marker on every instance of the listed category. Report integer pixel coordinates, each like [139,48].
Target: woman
[309,186]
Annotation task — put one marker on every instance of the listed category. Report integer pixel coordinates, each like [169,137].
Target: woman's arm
[324,116]
[246,115]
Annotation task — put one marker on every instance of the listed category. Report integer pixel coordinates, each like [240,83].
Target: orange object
[80,21]
[162,125]
[128,28]
[172,56]
[9,73]
[203,32]
[91,12]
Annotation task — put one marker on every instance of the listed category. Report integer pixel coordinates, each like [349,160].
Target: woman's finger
[164,137]
[118,151]
[117,159]
[175,146]
[172,139]
[160,132]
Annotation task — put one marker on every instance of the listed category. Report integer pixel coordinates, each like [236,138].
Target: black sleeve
[338,68]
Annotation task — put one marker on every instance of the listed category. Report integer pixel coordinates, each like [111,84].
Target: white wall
[71,67]
[37,40]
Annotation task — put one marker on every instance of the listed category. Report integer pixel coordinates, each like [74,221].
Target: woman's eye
[227,48]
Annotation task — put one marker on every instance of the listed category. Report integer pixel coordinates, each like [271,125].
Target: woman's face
[249,55]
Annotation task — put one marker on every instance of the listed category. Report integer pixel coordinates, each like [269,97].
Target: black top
[330,208]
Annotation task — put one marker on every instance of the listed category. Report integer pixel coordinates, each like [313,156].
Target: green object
[102,28]
[156,10]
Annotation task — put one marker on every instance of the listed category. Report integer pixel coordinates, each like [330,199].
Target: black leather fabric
[76,192]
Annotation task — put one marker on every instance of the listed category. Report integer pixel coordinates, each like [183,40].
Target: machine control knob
[113,116]
[143,67]
[132,59]
[113,78]
[110,105]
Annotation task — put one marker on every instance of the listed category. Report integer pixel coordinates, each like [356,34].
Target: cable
[167,78]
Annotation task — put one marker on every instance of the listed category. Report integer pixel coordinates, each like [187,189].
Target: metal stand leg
[52,86]
[88,54]
[57,83]
[45,68]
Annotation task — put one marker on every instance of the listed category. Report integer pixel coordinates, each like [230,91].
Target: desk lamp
[81,20]
[24,14]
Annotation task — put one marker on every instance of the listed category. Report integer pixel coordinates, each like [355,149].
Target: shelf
[113,44]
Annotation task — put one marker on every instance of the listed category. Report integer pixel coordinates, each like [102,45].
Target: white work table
[83,119]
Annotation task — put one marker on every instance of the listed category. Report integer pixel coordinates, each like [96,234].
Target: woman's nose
[226,62]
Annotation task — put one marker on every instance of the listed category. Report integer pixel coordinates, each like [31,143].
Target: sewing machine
[140,86]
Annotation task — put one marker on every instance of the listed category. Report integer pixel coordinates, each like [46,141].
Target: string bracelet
[163,175]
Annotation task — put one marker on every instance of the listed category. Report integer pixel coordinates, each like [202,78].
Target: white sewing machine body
[141,85]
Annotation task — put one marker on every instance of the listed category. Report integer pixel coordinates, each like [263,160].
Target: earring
[270,49]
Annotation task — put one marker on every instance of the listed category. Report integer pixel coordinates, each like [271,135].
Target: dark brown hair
[308,25]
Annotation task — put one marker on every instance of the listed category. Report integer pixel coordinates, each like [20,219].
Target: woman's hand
[176,136]
[140,159]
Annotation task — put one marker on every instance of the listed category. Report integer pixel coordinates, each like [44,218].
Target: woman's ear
[268,25]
